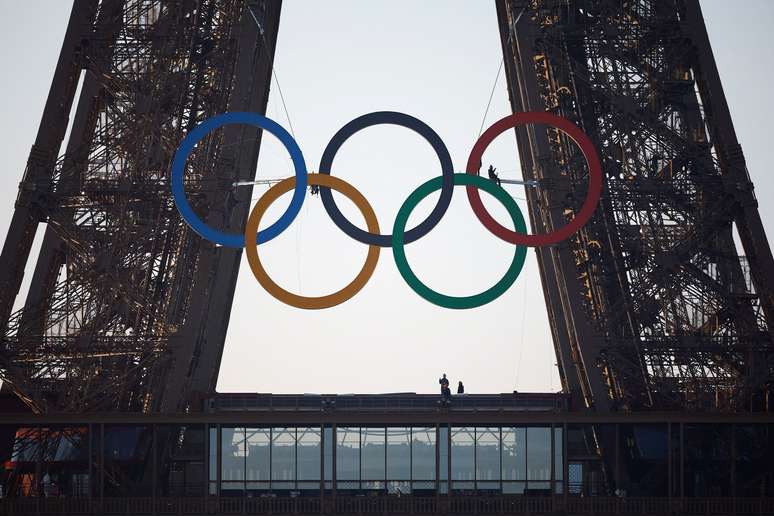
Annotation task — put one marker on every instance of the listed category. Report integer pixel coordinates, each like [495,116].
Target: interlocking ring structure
[400,236]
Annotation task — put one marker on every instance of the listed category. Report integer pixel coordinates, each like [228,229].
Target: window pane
[399,454]
[126,448]
[487,454]
[575,478]
[462,441]
[558,462]
[514,454]
[328,454]
[213,471]
[258,440]
[233,454]
[309,454]
[538,454]
[232,445]
[348,453]
[423,454]
[283,456]
[443,452]
[372,453]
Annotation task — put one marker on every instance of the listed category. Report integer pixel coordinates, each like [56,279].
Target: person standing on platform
[445,391]
[460,388]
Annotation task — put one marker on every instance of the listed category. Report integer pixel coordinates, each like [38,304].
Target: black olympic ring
[392,118]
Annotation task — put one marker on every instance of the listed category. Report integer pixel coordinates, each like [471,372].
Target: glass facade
[463,457]
[691,460]
[257,460]
[421,459]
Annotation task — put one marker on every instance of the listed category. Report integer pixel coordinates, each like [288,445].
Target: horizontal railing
[364,505]
[365,402]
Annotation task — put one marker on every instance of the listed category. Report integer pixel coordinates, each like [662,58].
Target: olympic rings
[391,118]
[178,171]
[312,303]
[399,237]
[595,178]
[426,292]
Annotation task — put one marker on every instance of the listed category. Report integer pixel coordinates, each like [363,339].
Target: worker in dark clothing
[445,391]
[315,189]
[493,175]
[460,388]
[654,164]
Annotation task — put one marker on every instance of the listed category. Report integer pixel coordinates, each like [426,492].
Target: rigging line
[523,320]
[511,28]
[489,103]
[273,71]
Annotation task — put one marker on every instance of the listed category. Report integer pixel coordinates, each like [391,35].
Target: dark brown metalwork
[652,308]
[460,504]
[651,305]
[128,308]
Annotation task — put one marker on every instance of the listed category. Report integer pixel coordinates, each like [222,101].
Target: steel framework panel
[128,308]
[651,305]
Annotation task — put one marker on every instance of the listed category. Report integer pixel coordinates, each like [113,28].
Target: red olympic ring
[586,147]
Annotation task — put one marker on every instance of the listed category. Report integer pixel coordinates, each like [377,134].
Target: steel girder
[128,308]
[651,305]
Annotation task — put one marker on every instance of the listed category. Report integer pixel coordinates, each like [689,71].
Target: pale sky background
[435,60]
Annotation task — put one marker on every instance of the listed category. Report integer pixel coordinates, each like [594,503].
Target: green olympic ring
[399,253]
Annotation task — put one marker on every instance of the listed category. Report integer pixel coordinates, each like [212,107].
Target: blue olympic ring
[187,146]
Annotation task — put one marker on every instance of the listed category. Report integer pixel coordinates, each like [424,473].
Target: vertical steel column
[669,463]
[322,467]
[101,462]
[565,465]
[154,466]
[206,461]
[334,475]
[219,460]
[91,467]
[40,164]
[682,464]
[733,463]
[617,452]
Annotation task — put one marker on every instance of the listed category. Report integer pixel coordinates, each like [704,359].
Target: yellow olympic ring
[311,303]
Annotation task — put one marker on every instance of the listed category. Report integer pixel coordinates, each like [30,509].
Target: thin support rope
[273,72]
[491,95]
[523,320]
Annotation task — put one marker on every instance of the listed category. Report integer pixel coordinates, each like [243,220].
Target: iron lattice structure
[651,305]
[128,308]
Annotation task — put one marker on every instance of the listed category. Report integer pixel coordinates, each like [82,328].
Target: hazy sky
[436,60]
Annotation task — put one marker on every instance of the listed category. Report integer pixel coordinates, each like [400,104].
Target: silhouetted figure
[444,382]
[493,175]
[445,391]
[315,189]
[460,388]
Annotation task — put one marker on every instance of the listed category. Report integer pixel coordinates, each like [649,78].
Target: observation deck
[401,453]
